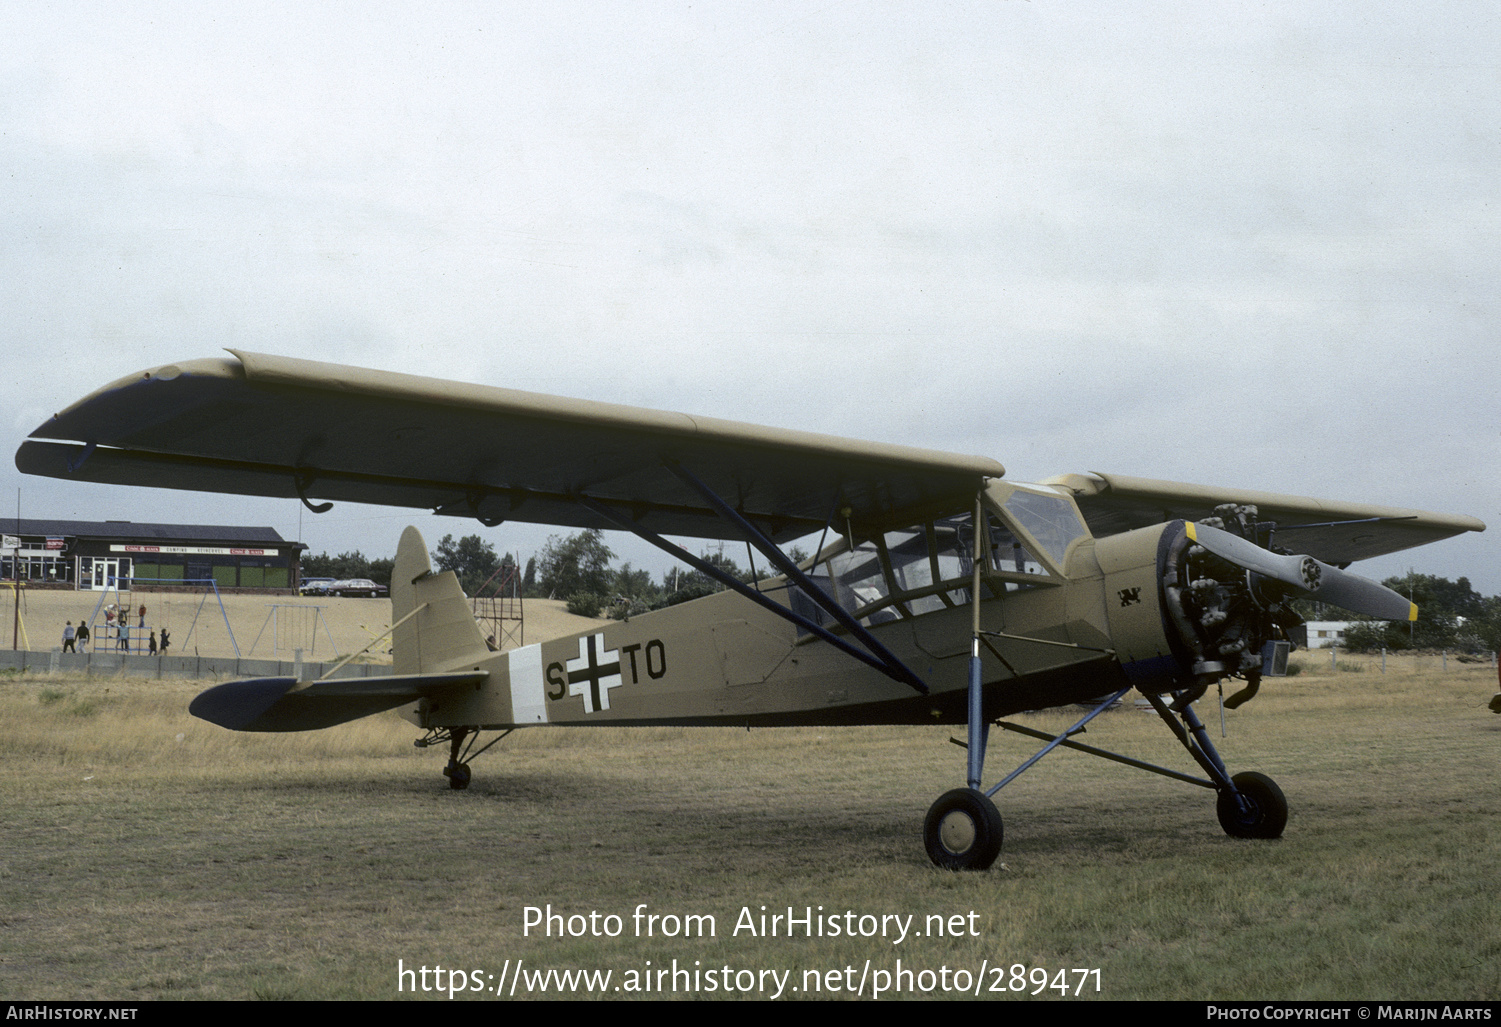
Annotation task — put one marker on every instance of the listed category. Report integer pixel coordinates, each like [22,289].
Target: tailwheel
[1260,812]
[457,770]
[963,830]
[458,775]
[461,750]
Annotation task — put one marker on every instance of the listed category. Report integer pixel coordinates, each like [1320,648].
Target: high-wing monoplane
[946,594]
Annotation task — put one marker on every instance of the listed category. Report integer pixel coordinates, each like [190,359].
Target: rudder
[443,634]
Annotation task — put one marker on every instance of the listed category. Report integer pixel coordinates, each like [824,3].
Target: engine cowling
[1181,617]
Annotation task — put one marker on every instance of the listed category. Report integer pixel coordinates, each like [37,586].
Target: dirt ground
[263,626]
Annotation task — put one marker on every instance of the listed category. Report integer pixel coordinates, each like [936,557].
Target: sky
[1240,244]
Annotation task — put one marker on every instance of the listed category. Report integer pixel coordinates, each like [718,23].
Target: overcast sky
[1241,244]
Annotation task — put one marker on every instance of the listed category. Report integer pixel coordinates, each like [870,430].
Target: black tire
[458,776]
[1265,814]
[963,830]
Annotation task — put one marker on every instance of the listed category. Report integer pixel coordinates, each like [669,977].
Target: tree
[579,563]
[679,586]
[471,558]
[1451,615]
[347,565]
[380,571]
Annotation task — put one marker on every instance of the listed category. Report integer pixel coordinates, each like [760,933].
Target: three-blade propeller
[1307,576]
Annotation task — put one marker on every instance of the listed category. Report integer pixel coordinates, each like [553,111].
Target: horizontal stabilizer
[281,704]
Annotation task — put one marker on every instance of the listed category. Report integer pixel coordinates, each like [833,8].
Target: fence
[1333,658]
[227,668]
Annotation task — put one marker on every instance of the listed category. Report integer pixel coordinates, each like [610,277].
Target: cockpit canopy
[922,568]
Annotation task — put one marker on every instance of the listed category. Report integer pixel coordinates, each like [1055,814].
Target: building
[108,554]
[1322,634]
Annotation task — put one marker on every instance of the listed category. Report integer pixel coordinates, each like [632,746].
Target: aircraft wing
[1336,533]
[285,427]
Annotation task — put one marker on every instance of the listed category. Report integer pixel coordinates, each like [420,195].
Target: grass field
[149,855]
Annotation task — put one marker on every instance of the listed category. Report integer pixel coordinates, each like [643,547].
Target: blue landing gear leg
[963,829]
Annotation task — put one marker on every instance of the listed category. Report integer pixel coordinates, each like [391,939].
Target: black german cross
[592,672]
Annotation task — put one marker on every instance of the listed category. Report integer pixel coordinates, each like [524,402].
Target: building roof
[137,531]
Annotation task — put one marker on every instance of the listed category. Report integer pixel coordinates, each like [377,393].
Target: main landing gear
[1257,809]
[457,771]
[963,828]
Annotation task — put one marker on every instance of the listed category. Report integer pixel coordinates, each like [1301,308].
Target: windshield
[1051,520]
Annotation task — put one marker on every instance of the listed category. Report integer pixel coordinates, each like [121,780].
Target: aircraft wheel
[963,830]
[1266,814]
[458,776]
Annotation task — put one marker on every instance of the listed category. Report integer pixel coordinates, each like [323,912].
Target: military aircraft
[945,594]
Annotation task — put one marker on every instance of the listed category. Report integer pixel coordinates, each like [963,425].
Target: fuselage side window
[860,581]
[954,540]
[912,567]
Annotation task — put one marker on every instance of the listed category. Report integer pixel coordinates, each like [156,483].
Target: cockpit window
[1051,520]
[912,567]
[1009,554]
[859,581]
[913,571]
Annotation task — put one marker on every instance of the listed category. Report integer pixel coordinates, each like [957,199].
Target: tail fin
[443,635]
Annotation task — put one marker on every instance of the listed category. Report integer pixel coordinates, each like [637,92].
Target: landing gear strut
[963,829]
[457,771]
[1250,805]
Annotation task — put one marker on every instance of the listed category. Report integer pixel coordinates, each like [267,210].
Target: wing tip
[238,705]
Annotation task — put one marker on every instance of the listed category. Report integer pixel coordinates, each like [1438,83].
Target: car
[357,587]
[314,586]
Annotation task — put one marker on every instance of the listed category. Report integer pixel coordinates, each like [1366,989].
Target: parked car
[357,587]
[314,586]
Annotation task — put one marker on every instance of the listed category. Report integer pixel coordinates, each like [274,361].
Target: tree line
[578,569]
[1451,615]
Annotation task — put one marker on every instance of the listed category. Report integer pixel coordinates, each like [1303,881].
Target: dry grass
[198,627]
[150,855]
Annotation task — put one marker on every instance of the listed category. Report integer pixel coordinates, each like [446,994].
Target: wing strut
[889,662]
[874,654]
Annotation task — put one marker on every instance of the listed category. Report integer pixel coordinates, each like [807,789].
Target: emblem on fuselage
[591,674]
[595,670]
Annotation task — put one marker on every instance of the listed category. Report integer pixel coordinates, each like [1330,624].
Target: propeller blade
[1313,578]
